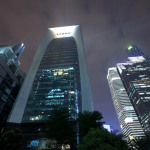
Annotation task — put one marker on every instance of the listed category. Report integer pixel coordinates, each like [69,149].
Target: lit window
[128,120]
[71,92]
[141,93]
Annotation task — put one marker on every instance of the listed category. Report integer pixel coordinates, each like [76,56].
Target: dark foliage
[88,120]
[100,139]
[11,140]
[60,128]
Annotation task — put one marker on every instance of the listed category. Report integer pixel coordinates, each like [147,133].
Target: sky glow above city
[108,28]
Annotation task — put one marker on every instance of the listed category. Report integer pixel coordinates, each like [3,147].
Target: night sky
[108,27]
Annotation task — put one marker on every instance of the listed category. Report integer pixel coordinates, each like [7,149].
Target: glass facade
[8,92]
[11,54]
[56,83]
[136,79]
[9,81]
[132,107]
[128,119]
[57,78]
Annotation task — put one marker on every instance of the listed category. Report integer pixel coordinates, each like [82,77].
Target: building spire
[133,51]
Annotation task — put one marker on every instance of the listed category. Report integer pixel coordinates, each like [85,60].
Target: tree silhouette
[11,140]
[59,127]
[88,120]
[100,139]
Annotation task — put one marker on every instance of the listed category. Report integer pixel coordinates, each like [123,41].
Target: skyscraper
[128,119]
[12,54]
[58,76]
[11,78]
[130,89]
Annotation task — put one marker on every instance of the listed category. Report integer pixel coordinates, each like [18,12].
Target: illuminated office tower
[58,76]
[128,119]
[134,75]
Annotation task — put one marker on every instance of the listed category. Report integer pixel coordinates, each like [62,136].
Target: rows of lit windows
[56,61]
[58,65]
[127,117]
[136,79]
[64,57]
[55,86]
[67,62]
[58,51]
[58,58]
[7,94]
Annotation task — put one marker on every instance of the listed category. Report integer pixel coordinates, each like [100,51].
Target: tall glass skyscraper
[128,119]
[134,78]
[58,77]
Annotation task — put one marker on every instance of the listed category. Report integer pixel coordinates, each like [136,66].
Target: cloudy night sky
[108,27]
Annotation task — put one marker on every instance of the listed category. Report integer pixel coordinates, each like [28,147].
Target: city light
[130,47]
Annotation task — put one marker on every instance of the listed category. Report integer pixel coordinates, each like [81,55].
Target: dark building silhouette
[11,78]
